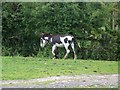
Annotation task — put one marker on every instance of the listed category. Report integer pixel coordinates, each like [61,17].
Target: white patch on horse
[43,43]
[59,45]
[51,40]
[46,38]
[69,38]
[62,39]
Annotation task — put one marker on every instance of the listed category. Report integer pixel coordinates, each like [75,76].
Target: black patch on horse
[73,39]
[56,39]
[70,41]
[65,40]
[46,35]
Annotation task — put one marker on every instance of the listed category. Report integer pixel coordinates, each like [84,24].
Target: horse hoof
[53,58]
[75,61]
[63,58]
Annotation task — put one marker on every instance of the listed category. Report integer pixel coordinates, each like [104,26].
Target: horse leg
[53,51]
[67,50]
[73,48]
[56,53]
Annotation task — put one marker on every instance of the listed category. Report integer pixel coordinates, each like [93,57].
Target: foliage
[94,26]
[28,67]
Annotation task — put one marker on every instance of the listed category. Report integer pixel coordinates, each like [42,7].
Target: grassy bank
[28,67]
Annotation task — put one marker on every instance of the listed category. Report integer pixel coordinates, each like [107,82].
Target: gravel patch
[76,81]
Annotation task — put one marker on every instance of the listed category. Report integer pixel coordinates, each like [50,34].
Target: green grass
[28,67]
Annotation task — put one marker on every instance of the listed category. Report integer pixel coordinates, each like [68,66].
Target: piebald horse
[58,41]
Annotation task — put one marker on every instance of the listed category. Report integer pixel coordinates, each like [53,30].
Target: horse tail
[76,42]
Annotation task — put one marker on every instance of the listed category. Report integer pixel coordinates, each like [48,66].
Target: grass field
[14,68]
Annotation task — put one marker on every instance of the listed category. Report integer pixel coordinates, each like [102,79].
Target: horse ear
[42,34]
[49,34]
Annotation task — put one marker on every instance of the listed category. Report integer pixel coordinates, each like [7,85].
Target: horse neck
[49,38]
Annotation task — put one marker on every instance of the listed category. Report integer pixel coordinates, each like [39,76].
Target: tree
[94,25]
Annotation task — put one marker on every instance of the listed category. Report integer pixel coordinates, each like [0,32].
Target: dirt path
[76,81]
